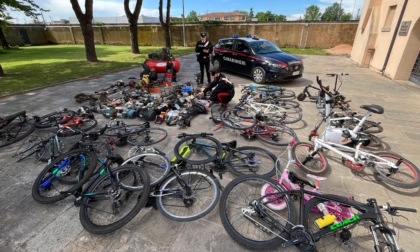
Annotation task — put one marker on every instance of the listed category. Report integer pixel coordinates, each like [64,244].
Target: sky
[293,9]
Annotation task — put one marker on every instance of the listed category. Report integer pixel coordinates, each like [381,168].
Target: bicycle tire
[247,229]
[29,148]
[87,124]
[122,130]
[55,183]
[216,112]
[278,92]
[288,116]
[251,160]
[147,136]
[60,117]
[405,170]
[316,165]
[182,205]
[103,211]
[157,166]
[66,141]
[206,151]
[286,104]
[371,127]
[359,236]
[15,132]
[279,135]
[238,119]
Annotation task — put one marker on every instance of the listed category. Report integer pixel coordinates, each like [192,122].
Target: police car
[258,58]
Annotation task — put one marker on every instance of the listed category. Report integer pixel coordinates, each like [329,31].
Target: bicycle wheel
[356,237]
[156,165]
[54,118]
[278,92]
[86,124]
[30,147]
[15,132]
[108,204]
[287,104]
[314,164]
[122,130]
[251,160]
[246,217]
[275,135]
[63,176]
[407,175]
[238,119]
[189,196]
[287,116]
[216,112]
[201,149]
[371,127]
[147,136]
[62,143]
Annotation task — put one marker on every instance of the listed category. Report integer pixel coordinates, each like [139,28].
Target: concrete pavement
[28,226]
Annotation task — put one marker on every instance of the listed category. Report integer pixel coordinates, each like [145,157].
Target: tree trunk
[166,26]
[3,40]
[134,38]
[133,20]
[85,21]
[1,71]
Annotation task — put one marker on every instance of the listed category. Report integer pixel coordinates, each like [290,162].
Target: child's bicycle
[249,220]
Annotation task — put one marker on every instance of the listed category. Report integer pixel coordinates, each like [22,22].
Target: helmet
[172,117]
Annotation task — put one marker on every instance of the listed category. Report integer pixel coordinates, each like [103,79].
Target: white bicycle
[387,166]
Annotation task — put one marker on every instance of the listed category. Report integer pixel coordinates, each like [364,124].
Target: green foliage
[332,13]
[312,13]
[40,66]
[306,51]
[192,17]
[251,13]
[268,16]
[346,16]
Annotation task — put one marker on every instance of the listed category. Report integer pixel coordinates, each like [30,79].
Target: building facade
[388,39]
[223,16]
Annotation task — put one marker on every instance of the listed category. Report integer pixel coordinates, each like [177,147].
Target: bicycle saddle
[373,108]
[301,182]
[231,144]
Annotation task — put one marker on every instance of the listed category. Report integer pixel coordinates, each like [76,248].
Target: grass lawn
[38,66]
[26,68]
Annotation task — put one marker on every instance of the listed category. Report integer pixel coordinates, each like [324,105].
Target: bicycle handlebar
[203,134]
[334,74]
[392,210]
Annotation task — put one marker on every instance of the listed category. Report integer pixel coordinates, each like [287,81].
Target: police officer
[223,88]
[204,48]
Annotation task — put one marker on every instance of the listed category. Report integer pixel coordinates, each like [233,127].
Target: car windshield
[261,47]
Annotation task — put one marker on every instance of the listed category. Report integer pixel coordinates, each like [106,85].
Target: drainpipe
[394,37]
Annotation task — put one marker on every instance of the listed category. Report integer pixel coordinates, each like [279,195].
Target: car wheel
[258,74]
[216,62]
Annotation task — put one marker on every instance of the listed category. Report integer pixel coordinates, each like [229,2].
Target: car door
[243,61]
[225,54]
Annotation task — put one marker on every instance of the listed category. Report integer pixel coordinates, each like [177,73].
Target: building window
[226,18]
[389,18]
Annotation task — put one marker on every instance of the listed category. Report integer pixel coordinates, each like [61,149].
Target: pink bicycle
[332,211]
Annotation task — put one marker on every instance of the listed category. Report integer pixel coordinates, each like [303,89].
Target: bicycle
[388,167]
[54,118]
[180,194]
[110,200]
[255,127]
[134,134]
[248,219]
[14,128]
[202,149]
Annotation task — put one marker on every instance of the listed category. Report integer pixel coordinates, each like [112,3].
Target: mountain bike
[14,128]
[255,127]
[180,194]
[110,200]
[202,149]
[248,218]
[54,118]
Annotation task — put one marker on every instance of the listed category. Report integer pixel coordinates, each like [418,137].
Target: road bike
[111,198]
[255,127]
[248,218]
[180,194]
[203,149]
[14,128]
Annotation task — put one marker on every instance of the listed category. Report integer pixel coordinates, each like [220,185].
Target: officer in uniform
[222,88]
[204,48]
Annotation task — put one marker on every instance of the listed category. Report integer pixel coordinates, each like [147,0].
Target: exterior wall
[372,42]
[294,34]
[223,17]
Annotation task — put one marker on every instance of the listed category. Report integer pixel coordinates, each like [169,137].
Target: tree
[166,26]
[334,12]
[251,13]
[268,16]
[27,6]
[312,13]
[133,18]
[85,21]
[192,17]
[346,16]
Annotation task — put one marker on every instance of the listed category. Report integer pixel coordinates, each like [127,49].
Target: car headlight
[276,66]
